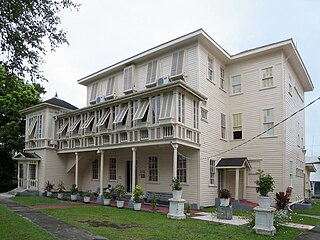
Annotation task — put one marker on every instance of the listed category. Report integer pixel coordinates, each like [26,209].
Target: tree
[15,95]
[25,29]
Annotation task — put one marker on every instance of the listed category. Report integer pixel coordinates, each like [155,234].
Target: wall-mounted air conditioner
[163,80]
[100,99]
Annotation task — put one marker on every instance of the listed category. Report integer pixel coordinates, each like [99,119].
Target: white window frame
[128,79]
[95,169]
[222,80]
[268,121]
[237,124]
[223,125]
[181,107]
[155,107]
[204,114]
[112,169]
[166,106]
[236,87]
[142,109]
[177,63]
[121,113]
[267,77]
[110,87]
[182,168]
[210,71]
[196,114]
[93,92]
[32,125]
[151,73]
[212,171]
[153,169]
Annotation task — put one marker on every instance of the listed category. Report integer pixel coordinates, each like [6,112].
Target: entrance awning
[233,163]
[27,156]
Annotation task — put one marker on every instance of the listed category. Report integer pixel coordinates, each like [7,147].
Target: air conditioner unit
[163,80]
[100,99]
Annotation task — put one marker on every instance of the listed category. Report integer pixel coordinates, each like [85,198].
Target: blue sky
[105,32]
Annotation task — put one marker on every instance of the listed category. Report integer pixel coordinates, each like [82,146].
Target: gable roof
[26,156]
[233,163]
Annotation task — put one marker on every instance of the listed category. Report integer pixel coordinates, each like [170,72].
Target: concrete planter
[106,201]
[264,202]
[49,194]
[137,206]
[74,197]
[60,195]
[86,199]
[120,204]
[177,194]
[224,202]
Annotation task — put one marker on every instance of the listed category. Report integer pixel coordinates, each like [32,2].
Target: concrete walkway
[57,228]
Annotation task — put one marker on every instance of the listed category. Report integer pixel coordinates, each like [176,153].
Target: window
[204,114]
[182,169]
[196,114]
[181,108]
[121,114]
[237,126]
[155,105]
[166,106]
[134,108]
[93,93]
[177,63]
[87,119]
[151,72]
[223,126]
[221,78]
[128,79]
[236,84]
[210,68]
[290,84]
[268,121]
[110,87]
[141,112]
[113,168]
[299,168]
[95,169]
[153,169]
[267,78]
[212,170]
[103,118]
[74,123]
[63,126]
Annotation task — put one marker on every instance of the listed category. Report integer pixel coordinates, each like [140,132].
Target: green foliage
[26,27]
[224,193]
[265,183]
[120,191]
[176,185]
[281,218]
[87,193]
[107,195]
[74,190]
[153,201]
[188,207]
[282,200]
[48,186]
[7,168]
[137,194]
[61,187]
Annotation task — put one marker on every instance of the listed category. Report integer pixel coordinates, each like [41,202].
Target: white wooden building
[177,110]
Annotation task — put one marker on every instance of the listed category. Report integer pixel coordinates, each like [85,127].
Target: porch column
[175,160]
[236,194]
[18,177]
[245,183]
[37,176]
[101,172]
[77,169]
[27,175]
[134,153]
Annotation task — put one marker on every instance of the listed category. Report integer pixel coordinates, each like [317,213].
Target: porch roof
[27,156]
[233,163]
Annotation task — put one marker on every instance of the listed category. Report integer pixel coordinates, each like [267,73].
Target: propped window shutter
[166,107]
[141,111]
[151,72]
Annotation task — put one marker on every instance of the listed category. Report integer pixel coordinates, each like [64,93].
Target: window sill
[266,88]
[223,139]
[112,180]
[211,81]
[237,140]
[273,136]
[212,185]
[222,90]
[96,180]
[236,94]
[155,183]
[205,120]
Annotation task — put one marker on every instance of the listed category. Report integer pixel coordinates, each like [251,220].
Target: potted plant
[74,192]
[176,188]
[137,194]
[188,209]
[87,196]
[48,187]
[264,185]
[60,189]
[224,195]
[106,198]
[120,192]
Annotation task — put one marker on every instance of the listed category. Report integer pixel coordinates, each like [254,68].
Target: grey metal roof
[232,162]
[58,102]
[26,155]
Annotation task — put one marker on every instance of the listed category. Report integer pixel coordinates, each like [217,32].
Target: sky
[102,33]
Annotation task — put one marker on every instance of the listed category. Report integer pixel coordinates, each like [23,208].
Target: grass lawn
[128,224]
[314,211]
[13,226]
[41,201]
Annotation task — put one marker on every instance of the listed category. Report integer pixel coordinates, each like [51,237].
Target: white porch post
[236,195]
[18,177]
[134,153]
[101,172]
[175,160]
[245,183]
[27,175]
[76,170]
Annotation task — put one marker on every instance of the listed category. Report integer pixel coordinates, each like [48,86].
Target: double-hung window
[210,68]
[112,168]
[236,84]
[222,83]
[223,126]
[95,169]
[268,121]
[182,168]
[177,63]
[181,108]
[204,114]
[267,77]
[151,73]
[212,170]
[237,126]
[153,169]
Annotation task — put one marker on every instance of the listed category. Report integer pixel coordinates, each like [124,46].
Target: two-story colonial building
[186,109]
